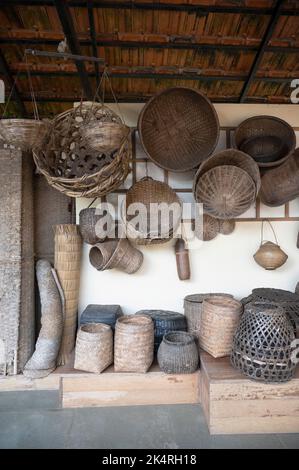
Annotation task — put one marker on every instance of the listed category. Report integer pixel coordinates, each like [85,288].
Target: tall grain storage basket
[94,347]
[133,344]
[68,247]
[219,321]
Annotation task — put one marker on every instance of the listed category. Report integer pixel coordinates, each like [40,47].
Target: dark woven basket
[268,139]
[165,321]
[90,231]
[262,345]
[231,157]
[225,191]
[178,128]
[178,353]
[280,185]
[107,314]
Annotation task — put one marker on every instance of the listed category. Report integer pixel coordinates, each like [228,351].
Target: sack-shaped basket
[91,229]
[225,191]
[178,353]
[269,255]
[155,198]
[94,348]
[265,136]
[165,321]
[133,344]
[72,168]
[219,319]
[25,134]
[263,344]
[178,128]
[193,308]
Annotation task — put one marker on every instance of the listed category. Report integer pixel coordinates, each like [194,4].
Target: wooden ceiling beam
[67,24]
[93,37]
[16,96]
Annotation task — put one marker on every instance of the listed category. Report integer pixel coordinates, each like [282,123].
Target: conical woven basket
[68,247]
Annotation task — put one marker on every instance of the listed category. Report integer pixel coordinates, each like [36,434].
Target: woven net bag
[94,347]
[219,319]
[134,344]
[262,345]
[71,167]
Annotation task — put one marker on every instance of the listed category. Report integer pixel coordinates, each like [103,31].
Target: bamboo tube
[68,247]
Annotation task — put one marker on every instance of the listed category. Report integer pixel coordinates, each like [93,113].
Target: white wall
[224,264]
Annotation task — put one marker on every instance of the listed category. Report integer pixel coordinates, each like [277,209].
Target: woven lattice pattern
[262,345]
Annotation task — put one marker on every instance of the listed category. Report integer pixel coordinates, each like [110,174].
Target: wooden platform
[234,404]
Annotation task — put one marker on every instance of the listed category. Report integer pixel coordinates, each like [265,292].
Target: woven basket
[280,185]
[219,320]
[148,191]
[193,308]
[94,348]
[226,191]
[178,128]
[208,230]
[25,134]
[262,345]
[100,254]
[253,135]
[72,168]
[68,247]
[104,137]
[165,321]
[178,353]
[226,227]
[231,157]
[134,344]
[90,228]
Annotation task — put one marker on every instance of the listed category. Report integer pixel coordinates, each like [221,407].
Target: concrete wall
[224,264]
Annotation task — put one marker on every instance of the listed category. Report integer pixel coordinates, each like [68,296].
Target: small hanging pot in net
[263,345]
[269,255]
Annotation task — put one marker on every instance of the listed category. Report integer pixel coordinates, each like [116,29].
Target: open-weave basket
[25,134]
[178,128]
[231,157]
[225,191]
[193,308]
[94,347]
[219,319]
[71,167]
[149,191]
[262,345]
[178,353]
[268,139]
[134,344]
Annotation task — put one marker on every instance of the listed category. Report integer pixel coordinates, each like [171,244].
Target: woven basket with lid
[178,128]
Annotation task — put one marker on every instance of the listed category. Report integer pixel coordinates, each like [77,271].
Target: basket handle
[262,231]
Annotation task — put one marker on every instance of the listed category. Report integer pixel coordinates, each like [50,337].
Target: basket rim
[134,321]
[92,325]
[170,90]
[189,297]
[187,338]
[224,302]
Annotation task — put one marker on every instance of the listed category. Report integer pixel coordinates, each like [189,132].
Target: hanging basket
[269,255]
[90,228]
[70,167]
[104,137]
[147,192]
[208,230]
[226,227]
[262,345]
[25,134]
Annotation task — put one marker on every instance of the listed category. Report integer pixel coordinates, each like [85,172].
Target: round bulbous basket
[178,353]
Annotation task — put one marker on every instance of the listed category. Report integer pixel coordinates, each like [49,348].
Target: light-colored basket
[104,137]
[94,347]
[219,320]
[68,247]
[134,344]
[25,134]
[119,254]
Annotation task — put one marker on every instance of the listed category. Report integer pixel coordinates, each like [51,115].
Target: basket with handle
[269,255]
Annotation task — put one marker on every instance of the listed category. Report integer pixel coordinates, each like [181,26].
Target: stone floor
[31,420]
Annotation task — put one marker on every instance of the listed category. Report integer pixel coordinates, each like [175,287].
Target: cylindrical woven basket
[149,191]
[25,134]
[90,229]
[262,345]
[231,157]
[165,321]
[178,128]
[68,248]
[268,139]
[225,191]
[94,348]
[100,254]
[219,319]
[193,308]
[72,168]
[178,353]
[134,344]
